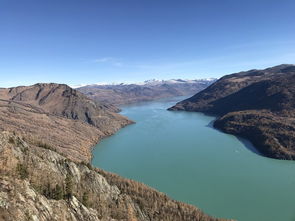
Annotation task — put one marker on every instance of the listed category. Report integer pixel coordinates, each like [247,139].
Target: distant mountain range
[126,93]
[256,104]
[147,82]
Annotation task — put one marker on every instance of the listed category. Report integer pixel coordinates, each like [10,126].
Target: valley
[47,133]
[181,154]
[147,110]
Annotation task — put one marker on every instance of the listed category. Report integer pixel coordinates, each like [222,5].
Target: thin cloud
[109,60]
[103,60]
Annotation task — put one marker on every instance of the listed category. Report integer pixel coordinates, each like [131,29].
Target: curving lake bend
[180,154]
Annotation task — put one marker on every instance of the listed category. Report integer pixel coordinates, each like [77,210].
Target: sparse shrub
[69,187]
[39,143]
[25,150]
[37,187]
[58,192]
[47,192]
[22,171]
[87,164]
[18,142]
[11,140]
[28,216]
[85,199]
[45,145]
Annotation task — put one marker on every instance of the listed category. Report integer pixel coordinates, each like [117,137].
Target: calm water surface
[180,154]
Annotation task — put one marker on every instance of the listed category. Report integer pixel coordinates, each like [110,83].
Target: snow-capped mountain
[148,82]
[125,93]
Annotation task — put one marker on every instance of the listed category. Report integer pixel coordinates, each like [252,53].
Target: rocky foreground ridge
[258,105]
[37,183]
[119,94]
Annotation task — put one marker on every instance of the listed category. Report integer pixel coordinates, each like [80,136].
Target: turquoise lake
[180,154]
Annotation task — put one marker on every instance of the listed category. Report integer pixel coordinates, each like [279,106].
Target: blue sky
[89,41]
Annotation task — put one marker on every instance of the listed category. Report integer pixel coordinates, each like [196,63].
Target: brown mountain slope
[39,184]
[209,100]
[271,134]
[258,105]
[58,116]
[61,100]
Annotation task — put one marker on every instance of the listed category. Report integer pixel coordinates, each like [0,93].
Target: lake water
[180,154]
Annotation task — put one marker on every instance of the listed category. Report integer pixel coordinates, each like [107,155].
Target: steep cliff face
[37,183]
[58,116]
[257,104]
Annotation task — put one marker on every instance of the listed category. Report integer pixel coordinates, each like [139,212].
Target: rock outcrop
[37,183]
[257,104]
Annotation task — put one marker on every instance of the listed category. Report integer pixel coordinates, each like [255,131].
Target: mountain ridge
[53,113]
[256,104]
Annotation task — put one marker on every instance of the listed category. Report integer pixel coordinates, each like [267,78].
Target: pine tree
[85,199]
[58,192]
[69,187]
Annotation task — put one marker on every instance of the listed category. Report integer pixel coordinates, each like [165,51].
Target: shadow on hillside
[249,145]
[244,141]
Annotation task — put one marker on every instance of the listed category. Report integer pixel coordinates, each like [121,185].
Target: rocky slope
[37,183]
[57,115]
[256,104]
[119,94]
[61,100]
